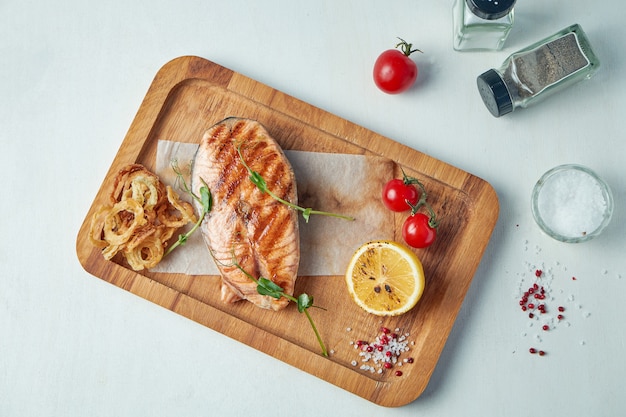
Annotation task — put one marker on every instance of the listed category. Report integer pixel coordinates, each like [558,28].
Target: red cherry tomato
[418,231]
[394,70]
[396,193]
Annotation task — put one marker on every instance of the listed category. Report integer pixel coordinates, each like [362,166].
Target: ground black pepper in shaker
[537,71]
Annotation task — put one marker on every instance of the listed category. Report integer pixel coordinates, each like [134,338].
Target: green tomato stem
[406,47]
[422,202]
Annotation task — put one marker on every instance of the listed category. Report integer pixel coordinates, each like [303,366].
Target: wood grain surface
[188,95]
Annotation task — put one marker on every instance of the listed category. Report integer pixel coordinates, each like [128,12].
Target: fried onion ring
[165,233]
[141,218]
[97,224]
[178,213]
[145,191]
[118,225]
[146,255]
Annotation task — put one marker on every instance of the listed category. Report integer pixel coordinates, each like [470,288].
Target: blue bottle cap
[490,9]
[494,93]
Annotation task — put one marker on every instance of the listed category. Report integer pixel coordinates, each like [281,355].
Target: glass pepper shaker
[481,24]
[537,71]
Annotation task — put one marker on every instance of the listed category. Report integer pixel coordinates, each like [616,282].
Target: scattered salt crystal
[348,329]
[353,363]
[583,343]
[571,203]
[384,352]
[586,314]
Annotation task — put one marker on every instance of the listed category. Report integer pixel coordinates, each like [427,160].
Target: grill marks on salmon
[246,225]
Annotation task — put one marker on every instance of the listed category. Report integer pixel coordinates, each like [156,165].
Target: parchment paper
[338,183]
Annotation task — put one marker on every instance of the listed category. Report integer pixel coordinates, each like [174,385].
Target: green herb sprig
[205,199]
[264,285]
[304,301]
[260,183]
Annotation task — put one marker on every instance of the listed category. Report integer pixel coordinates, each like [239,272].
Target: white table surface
[72,76]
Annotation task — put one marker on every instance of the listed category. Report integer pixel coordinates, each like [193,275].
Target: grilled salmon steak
[245,225]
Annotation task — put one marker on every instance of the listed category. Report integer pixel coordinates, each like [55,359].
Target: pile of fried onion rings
[142,216]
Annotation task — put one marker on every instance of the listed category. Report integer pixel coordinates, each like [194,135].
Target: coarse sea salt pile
[571,203]
[384,352]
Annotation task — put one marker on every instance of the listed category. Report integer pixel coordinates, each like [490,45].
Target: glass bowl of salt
[571,203]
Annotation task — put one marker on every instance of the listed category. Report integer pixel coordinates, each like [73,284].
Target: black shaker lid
[490,9]
[494,93]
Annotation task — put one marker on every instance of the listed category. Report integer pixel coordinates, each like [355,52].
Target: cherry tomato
[418,231]
[394,70]
[396,193]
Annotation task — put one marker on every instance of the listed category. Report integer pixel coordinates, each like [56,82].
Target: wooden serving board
[188,95]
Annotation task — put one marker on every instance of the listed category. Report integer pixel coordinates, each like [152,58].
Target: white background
[72,76]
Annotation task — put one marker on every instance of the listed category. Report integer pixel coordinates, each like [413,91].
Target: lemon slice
[385,278]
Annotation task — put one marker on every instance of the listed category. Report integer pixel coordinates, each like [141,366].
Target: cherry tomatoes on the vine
[394,70]
[396,193]
[419,231]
